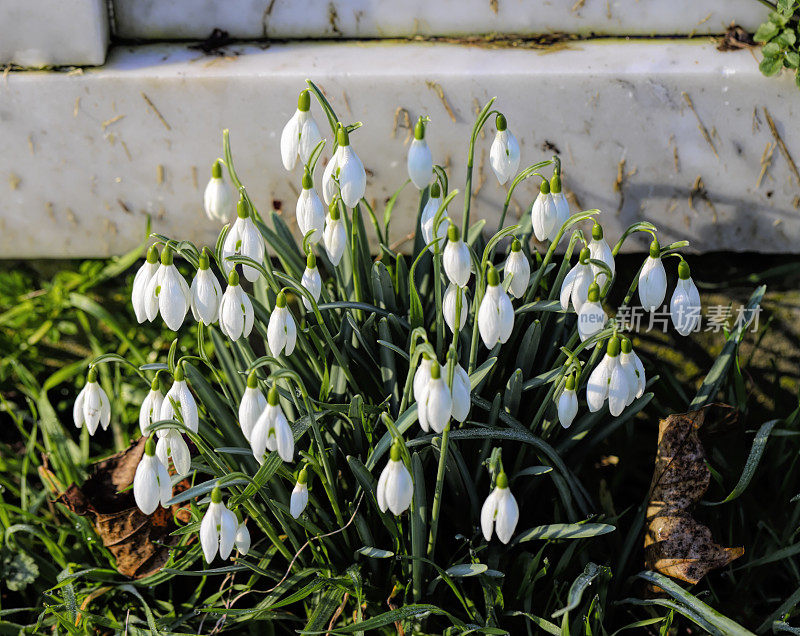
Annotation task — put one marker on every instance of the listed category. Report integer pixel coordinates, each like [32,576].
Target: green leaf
[770,65]
[579,585]
[533,470]
[756,451]
[375,553]
[772,49]
[565,531]
[387,618]
[463,570]
[792,59]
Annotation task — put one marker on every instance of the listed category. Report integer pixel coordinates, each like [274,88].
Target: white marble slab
[172,19]
[87,156]
[41,33]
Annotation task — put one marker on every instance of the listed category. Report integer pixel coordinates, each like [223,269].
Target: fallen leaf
[140,543]
[675,544]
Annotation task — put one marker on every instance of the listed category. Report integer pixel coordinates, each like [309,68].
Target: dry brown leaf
[675,544]
[140,543]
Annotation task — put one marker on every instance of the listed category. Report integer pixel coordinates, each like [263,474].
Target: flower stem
[483,117]
[437,496]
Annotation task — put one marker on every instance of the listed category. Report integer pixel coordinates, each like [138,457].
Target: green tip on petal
[241,209]
[585,255]
[569,385]
[216,495]
[683,270]
[150,447]
[655,249]
[396,452]
[233,278]
[304,101]
[436,191]
[502,480]
[594,293]
[516,246]
[311,261]
[555,184]
[152,254]
[492,277]
[419,129]
[500,122]
[302,478]
[544,188]
[166,255]
[426,355]
[342,137]
[613,346]
[92,375]
[626,345]
[155,385]
[280,301]
[453,234]
[252,380]
[203,261]
[216,170]
[597,231]
[308,182]
[436,371]
[272,396]
[333,209]
[179,374]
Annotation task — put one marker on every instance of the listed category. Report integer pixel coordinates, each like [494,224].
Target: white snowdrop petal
[457,263]
[77,408]
[399,488]
[181,458]
[209,535]
[567,407]
[488,511]
[140,285]
[652,284]
[489,317]
[518,266]
[591,319]
[145,485]
[618,388]
[381,489]
[250,408]
[164,484]
[227,533]
[449,307]
[242,539]
[352,177]
[439,405]
[597,386]
[309,138]
[506,316]
[507,515]
[566,287]
[290,141]
[460,394]
[312,281]
[284,438]
[580,290]
[298,500]
[420,164]
[91,406]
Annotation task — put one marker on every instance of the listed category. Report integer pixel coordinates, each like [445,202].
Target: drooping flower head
[500,512]
[218,196]
[243,239]
[600,251]
[559,203]
[543,214]
[172,444]
[299,498]
[218,529]
[456,259]
[346,167]
[395,487]
[592,317]
[252,406]
[311,280]
[310,213]
[653,279]
[167,293]
[281,331]
[575,288]
[450,306]
[429,215]
[461,392]
[684,307]
[496,314]
[236,314]
[272,431]
[151,483]
[206,292]
[92,407]
[179,397]
[335,234]
[150,411]
[518,267]
[420,159]
[568,403]
[610,380]
[436,403]
[300,134]
[504,154]
[140,283]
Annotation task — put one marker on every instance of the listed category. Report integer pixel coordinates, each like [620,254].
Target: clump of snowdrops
[359,424]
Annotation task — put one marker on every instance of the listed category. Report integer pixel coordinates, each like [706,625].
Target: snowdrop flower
[449,306]
[519,268]
[684,308]
[300,134]
[653,279]
[395,488]
[150,410]
[496,314]
[568,403]
[218,529]
[429,215]
[235,310]
[504,153]
[206,293]
[311,280]
[335,235]
[243,239]
[173,445]
[346,167]
[436,404]
[544,215]
[299,499]
[421,377]
[600,251]
[151,483]
[420,160]
[252,406]
[632,366]
[242,540]
[310,212]
[575,287]
[560,203]
[141,281]
[167,293]
[500,512]
[92,406]
[182,397]
[611,381]
[456,258]
[591,317]
[218,196]
[281,331]
[460,392]
[272,431]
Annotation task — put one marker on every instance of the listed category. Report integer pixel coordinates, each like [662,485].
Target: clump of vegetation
[778,35]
